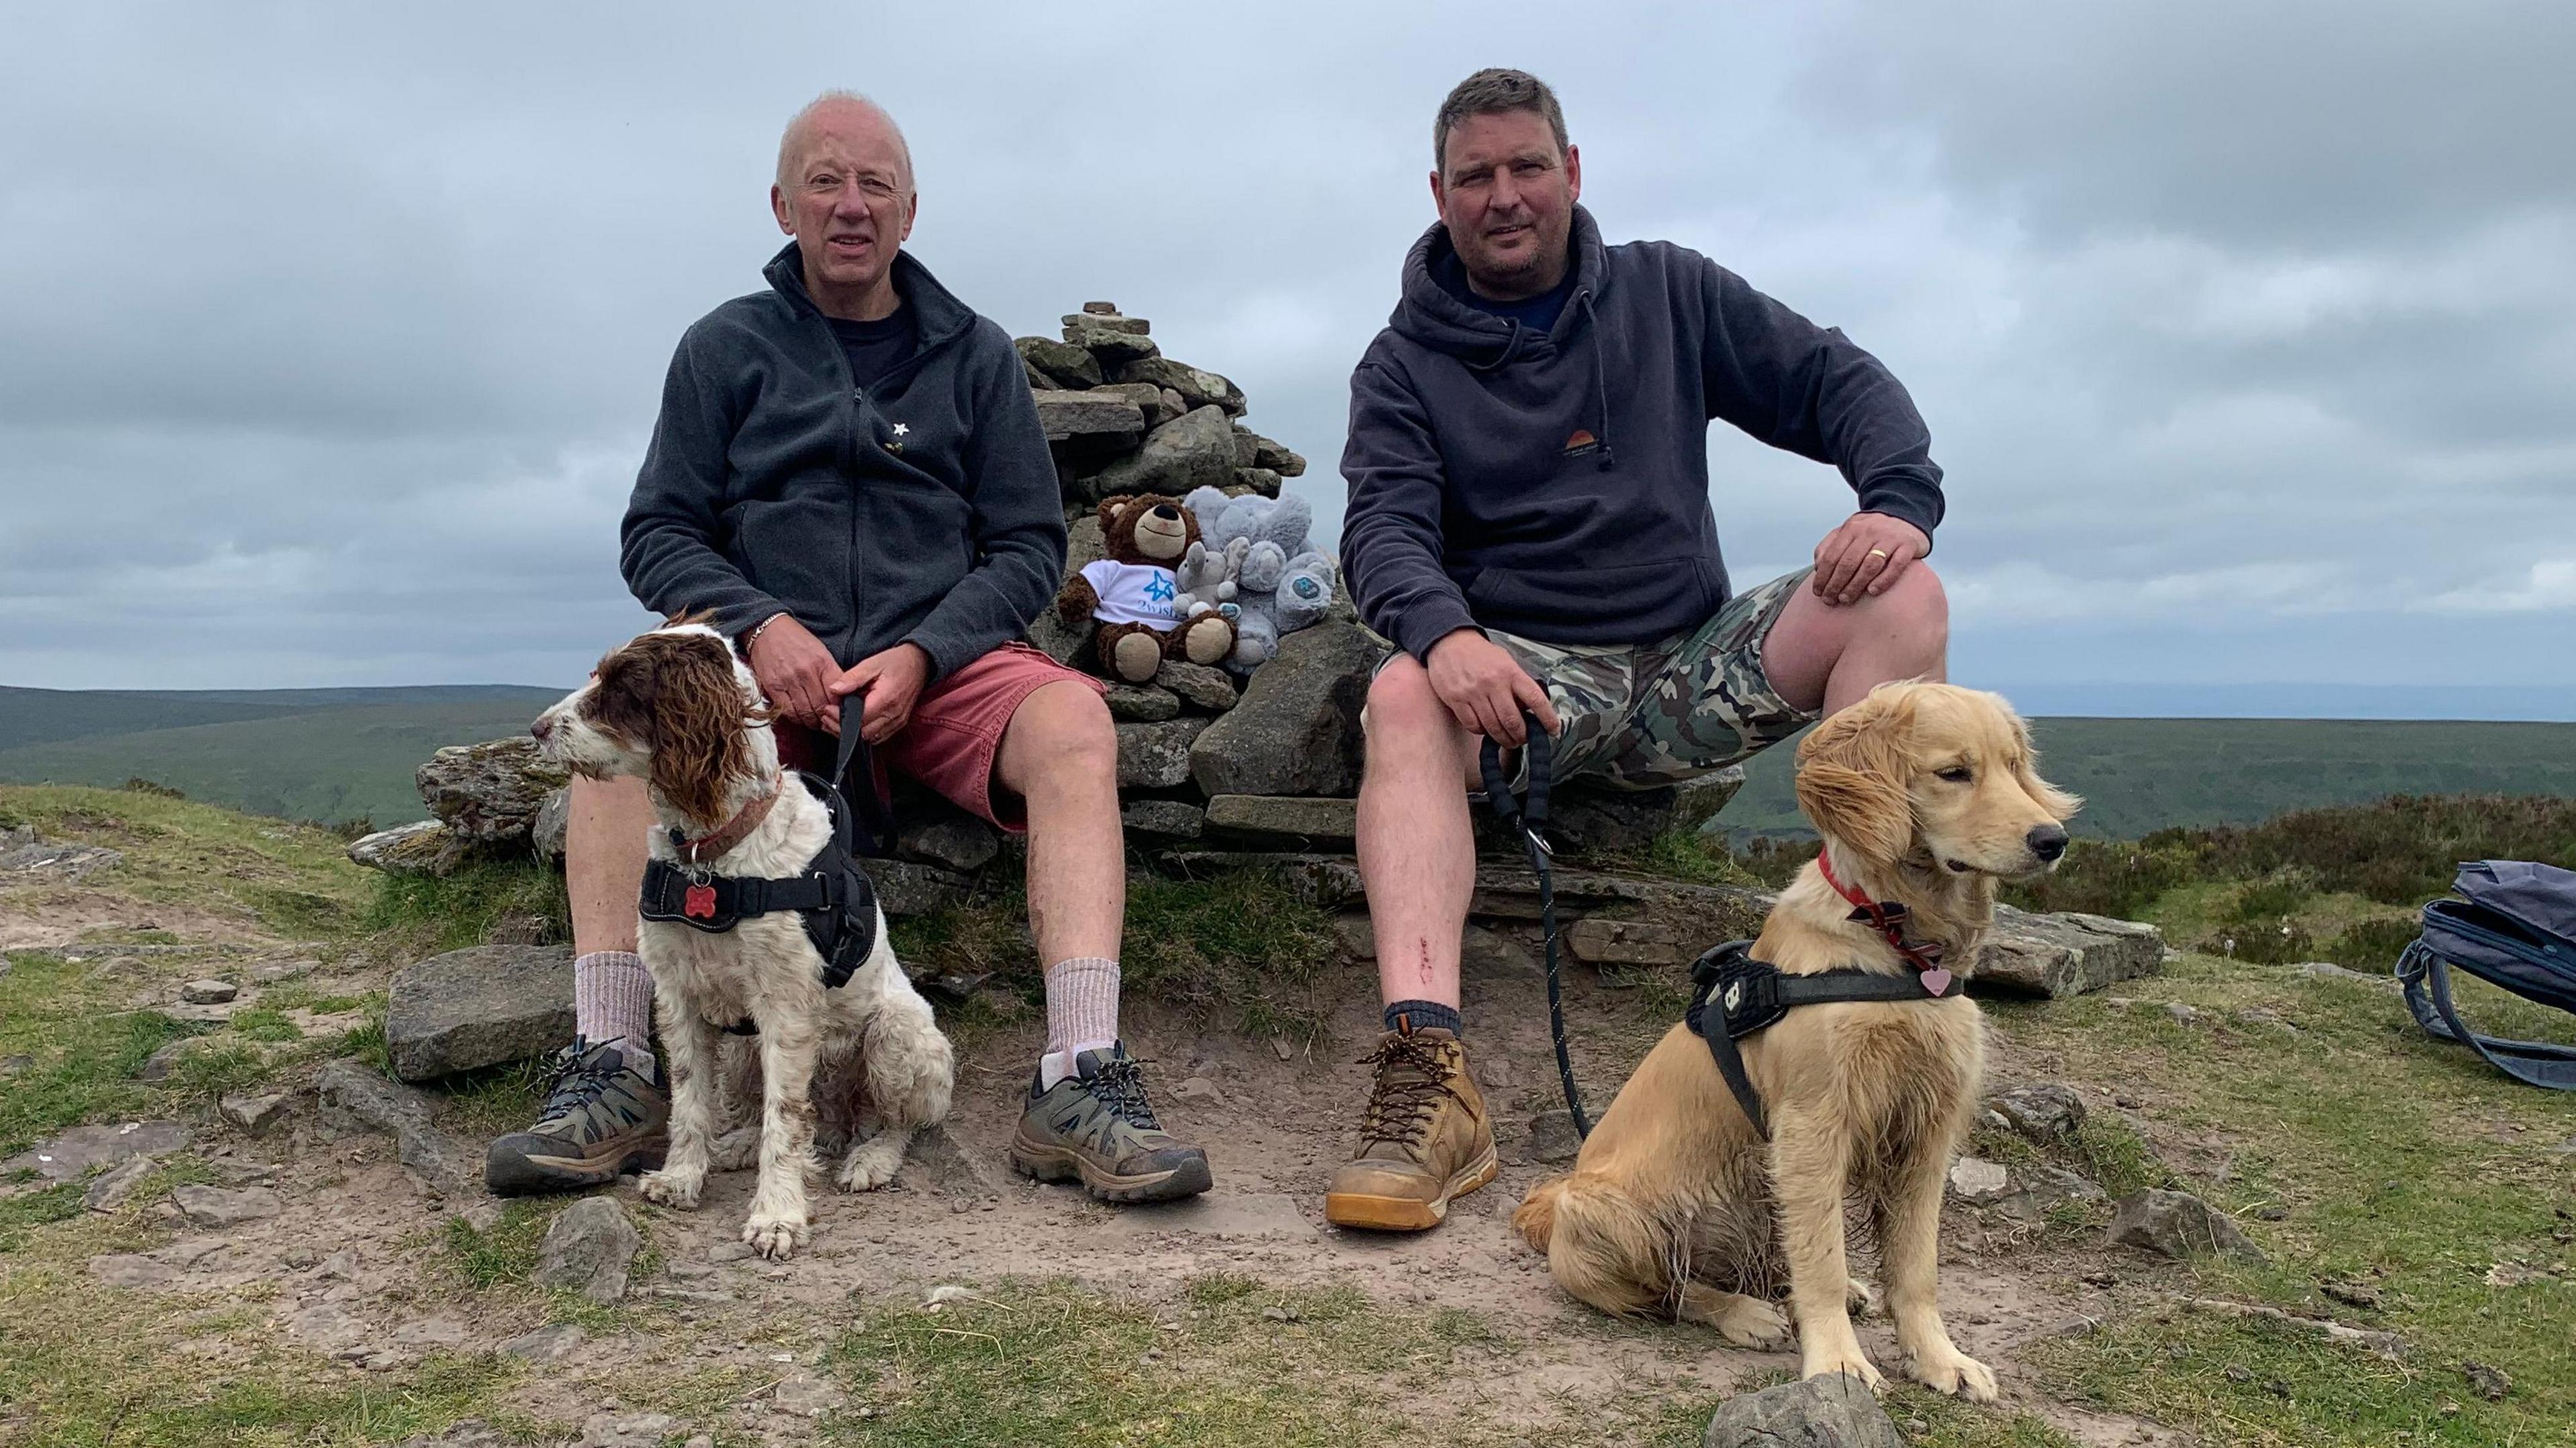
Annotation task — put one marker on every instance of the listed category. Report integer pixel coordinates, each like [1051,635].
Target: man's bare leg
[1829,656]
[1060,755]
[1417,846]
[604,848]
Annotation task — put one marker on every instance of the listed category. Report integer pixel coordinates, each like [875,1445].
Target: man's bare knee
[1918,605]
[1060,738]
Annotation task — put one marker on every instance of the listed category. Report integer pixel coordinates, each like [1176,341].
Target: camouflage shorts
[1641,716]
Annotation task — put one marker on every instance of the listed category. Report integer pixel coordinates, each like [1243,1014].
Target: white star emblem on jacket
[901,428]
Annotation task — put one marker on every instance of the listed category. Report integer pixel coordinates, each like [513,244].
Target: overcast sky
[330,337]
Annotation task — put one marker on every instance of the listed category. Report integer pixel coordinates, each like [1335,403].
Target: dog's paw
[1749,1322]
[1860,1299]
[671,1189]
[872,1163]
[775,1238]
[1844,1362]
[1948,1370]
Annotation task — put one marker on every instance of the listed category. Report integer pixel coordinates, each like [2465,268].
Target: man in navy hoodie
[1529,522]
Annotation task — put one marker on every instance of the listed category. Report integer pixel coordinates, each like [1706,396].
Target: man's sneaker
[1095,1125]
[602,1118]
[1425,1141]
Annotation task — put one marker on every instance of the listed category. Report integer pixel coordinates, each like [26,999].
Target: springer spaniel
[676,708]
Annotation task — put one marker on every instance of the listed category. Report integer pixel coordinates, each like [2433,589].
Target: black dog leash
[1528,815]
[875,822]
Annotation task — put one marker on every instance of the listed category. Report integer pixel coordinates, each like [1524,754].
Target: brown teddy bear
[1134,593]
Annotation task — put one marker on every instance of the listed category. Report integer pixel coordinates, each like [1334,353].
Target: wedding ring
[1878,553]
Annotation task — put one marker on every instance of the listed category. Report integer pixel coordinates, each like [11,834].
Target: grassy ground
[2366,1160]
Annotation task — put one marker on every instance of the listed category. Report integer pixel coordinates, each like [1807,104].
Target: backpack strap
[2422,971]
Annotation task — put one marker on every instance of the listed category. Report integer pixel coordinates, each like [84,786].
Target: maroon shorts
[955,732]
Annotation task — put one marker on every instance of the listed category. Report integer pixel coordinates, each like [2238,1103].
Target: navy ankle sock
[1421,1015]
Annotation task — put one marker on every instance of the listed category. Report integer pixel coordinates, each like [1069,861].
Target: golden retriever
[1926,795]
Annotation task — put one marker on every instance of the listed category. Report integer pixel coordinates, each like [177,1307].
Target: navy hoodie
[921,509]
[1555,485]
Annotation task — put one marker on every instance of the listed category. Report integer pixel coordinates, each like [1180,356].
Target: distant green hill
[317,754]
[2139,775]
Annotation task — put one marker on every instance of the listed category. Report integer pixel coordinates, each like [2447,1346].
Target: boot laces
[582,1076]
[1119,1085]
[1412,1075]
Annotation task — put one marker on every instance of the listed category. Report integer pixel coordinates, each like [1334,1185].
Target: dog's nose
[2046,841]
[544,726]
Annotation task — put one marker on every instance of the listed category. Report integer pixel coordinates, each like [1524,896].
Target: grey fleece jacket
[922,510]
[1555,485]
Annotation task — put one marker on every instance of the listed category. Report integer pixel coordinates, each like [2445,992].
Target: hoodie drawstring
[1600,374]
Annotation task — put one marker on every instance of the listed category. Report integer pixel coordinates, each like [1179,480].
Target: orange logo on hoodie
[1582,441]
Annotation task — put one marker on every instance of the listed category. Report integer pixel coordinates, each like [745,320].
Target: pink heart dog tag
[1935,981]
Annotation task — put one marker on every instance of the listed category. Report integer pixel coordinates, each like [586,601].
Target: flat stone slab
[482,1006]
[23,854]
[1627,942]
[906,887]
[2064,955]
[1171,819]
[83,1149]
[1284,818]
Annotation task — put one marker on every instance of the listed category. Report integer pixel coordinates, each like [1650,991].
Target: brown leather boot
[1426,1138]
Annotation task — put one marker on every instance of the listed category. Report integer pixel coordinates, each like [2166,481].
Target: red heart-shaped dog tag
[700,903]
[1935,981]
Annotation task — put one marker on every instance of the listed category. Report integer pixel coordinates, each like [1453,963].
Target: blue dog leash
[1528,816]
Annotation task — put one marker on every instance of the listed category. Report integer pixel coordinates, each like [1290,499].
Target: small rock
[340,1266]
[2487,1382]
[109,1192]
[1206,687]
[17,1065]
[1552,1138]
[2351,1294]
[938,1162]
[216,1207]
[2045,1112]
[1169,819]
[1276,1313]
[254,1113]
[1197,1088]
[943,1295]
[208,992]
[159,1065]
[2178,1225]
[728,1252]
[588,1248]
[546,1344]
[2181,1015]
[423,847]
[1142,703]
[1974,1179]
[626,1430]
[1826,1412]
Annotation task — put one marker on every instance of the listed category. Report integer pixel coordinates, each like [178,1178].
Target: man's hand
[888,684]
[1486,689]
[1865,556]
[794,670]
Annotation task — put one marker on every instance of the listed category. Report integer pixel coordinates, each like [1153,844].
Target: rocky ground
[224,1220]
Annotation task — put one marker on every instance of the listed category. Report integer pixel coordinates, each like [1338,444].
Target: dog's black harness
[834,896]
[1750,995]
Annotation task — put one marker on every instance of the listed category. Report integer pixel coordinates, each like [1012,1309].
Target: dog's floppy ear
[1853,773]
[676,695]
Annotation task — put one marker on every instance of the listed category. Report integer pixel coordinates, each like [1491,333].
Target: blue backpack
[2513,925]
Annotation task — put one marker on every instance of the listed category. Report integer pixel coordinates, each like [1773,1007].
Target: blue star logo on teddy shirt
[1161,589]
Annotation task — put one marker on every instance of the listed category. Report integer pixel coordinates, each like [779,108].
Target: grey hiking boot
[1095,1125]
[602,1118]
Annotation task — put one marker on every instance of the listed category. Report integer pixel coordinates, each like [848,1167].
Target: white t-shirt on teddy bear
[1133,592]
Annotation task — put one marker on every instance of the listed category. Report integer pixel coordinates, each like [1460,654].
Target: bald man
[849,477]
